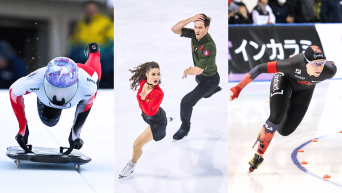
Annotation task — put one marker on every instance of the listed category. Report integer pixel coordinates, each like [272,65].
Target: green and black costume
[204,57]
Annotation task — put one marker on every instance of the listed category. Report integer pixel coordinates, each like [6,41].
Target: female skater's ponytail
[139,73]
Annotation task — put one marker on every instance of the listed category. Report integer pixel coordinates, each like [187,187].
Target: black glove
[23,140]
[92,48]
[77,144]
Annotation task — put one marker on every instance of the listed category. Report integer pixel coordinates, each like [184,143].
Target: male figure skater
[205,69]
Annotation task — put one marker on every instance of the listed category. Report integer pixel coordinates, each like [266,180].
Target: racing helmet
[61,80]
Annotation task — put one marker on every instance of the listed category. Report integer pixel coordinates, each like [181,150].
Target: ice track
[282,170]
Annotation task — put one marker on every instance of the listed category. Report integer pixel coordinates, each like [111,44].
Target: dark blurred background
[34,32]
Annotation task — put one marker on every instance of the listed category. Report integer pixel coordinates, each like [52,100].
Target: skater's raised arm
[177,29]
[94,57]
[93,68]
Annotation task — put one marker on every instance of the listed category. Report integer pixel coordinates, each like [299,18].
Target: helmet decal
[61,72]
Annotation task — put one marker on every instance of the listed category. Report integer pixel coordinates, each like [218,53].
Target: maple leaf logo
[304,82]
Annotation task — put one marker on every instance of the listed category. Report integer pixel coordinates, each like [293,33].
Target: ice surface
[199,163]
[278,173]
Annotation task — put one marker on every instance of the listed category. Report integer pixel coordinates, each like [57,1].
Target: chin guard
[56,102]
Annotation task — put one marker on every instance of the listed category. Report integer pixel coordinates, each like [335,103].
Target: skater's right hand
[197,17]
[230,96]
[143,94]
[23,140]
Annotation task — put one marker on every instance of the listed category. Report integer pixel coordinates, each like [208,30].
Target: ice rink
[97,133]
[282,170]
[200,162]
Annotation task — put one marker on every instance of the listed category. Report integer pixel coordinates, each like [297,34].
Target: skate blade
[250,170]
[177,140]
[170,119]
[255,143]
[124,177]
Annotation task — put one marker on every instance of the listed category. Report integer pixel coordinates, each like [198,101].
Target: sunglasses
[316,63]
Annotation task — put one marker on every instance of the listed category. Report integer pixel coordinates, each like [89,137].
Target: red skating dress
[152,113]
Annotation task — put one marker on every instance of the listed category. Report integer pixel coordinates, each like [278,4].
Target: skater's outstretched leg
[280,93]
[144,138]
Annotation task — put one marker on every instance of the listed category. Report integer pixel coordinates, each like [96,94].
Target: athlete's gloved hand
[23,140]
[76,144]
[234,93]
[92,48]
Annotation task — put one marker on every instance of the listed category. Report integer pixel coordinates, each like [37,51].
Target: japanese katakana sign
[277,48]
[253,45]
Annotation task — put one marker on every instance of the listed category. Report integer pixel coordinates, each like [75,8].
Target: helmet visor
[316,63]
[60,96]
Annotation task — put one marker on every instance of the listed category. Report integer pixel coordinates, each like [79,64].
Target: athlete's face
[200,29]
[314,70]
[153,76]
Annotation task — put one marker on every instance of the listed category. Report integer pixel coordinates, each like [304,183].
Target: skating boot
[128,170]
[255,163]
[180,134]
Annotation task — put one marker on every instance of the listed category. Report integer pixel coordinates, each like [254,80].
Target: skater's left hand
[185,74]
[77,144]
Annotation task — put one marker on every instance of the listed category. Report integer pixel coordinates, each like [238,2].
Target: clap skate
[255,163]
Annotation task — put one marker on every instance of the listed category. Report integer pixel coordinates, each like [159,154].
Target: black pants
[158,123]
[49,116]
[287,105]
[206,85]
